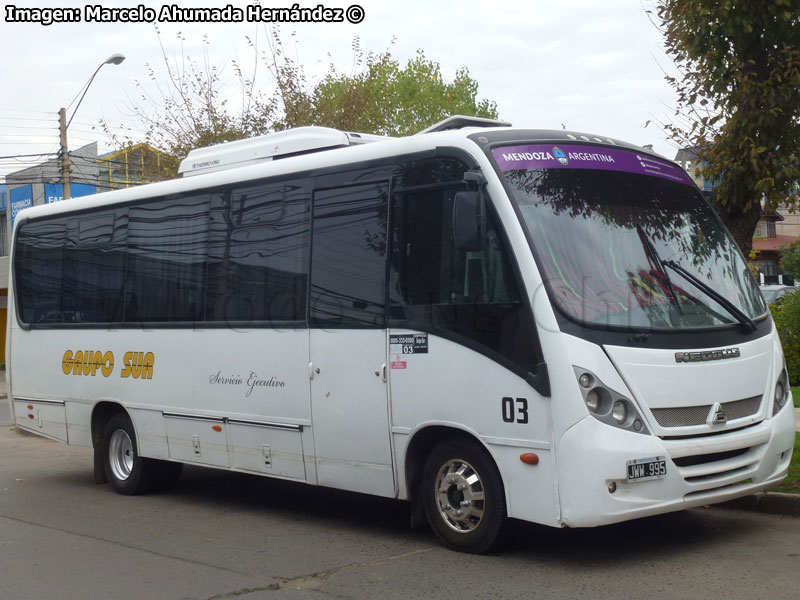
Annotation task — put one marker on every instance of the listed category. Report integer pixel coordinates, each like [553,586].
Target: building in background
[790,224]
[767,242]
[691,163]
[4,245]
[134,165]
[89,174]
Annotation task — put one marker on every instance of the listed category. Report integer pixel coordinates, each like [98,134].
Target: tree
[386,99]
[738,101]
[790,260]
[786,315]
[190,107]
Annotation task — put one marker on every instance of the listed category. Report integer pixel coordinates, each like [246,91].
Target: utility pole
[62,130]
[114,59]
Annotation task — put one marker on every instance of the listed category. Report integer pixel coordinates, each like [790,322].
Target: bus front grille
[687,416]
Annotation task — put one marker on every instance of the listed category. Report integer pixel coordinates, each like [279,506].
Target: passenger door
[349,397]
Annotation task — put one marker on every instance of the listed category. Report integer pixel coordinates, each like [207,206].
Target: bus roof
[313,148]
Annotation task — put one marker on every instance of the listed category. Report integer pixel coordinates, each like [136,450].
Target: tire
[127,472]
[463,497]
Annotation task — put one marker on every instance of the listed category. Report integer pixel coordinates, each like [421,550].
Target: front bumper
[593,455]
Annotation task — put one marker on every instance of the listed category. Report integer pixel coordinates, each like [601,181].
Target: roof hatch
[460,121]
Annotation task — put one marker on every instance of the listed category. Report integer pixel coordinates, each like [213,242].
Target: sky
[584,65]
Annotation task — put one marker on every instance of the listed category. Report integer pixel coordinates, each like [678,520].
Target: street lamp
[114,59]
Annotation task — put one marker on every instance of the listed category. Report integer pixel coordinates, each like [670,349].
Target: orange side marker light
[217,428]
[529,458]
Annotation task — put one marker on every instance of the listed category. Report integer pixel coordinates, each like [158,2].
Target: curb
[776,503]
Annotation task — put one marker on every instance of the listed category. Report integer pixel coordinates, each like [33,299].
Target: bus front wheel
[127,472]
[463,497]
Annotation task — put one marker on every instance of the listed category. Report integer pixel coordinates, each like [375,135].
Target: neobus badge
[681,357]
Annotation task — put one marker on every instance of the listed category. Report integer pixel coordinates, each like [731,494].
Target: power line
[20,143]
[53,154]
[30,112]
[32,127]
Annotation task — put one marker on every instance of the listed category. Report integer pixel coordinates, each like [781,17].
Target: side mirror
[469,221]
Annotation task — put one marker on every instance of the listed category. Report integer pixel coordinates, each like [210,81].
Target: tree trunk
[742,225]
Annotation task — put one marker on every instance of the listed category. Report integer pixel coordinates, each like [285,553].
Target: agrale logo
[717,415]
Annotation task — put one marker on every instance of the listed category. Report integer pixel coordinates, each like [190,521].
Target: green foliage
[387,99]
[790,260]
[786,315]
[738,100]
[191,105]
[791,485]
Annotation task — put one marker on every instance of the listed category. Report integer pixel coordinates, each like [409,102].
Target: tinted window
[621,249]
[258,253]
[470,295]
[39,270]
[166,263]
[94,267]
[348,263]
[428,171]
[231,256]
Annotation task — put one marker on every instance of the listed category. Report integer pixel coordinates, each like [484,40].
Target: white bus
[490,322]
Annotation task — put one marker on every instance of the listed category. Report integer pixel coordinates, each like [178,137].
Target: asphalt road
[222,535]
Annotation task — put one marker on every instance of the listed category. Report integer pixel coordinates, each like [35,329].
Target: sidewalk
[5,411]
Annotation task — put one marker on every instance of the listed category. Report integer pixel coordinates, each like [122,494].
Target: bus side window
[258,254]
[470,296]
[432,270]
[166,260]
[94,267]
[348,256]
[39,270]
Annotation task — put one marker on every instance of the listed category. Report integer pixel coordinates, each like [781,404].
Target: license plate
[642,469]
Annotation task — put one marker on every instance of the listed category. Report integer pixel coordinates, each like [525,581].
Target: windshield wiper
[652,254]
[713,294]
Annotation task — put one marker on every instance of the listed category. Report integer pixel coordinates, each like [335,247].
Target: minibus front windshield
[626,240]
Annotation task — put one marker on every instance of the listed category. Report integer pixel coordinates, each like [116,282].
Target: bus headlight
[781,391]
[607,405]
[593,400]
[619,412]
[586,380]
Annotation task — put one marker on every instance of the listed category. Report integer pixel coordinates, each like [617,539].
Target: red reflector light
[31,416]
[529,458]
[217,428]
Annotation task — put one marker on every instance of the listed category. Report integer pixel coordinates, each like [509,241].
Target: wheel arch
[419,447]
[102,413]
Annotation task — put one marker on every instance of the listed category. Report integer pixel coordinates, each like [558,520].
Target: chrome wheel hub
[120,454]
[460,496]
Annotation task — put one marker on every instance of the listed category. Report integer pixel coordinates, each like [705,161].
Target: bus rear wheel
[127,472]
[463,497]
